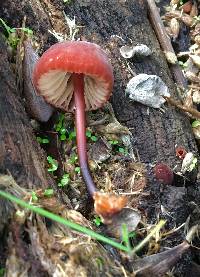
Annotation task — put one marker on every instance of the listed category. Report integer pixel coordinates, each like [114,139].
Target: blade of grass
[157,228]
[63,221]
[125,236]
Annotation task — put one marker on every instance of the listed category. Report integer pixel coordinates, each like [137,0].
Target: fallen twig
[192,112]
[165,42]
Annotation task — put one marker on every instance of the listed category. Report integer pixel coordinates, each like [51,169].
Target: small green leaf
[48,192]
[73,159]
[65,180]
[113,142]
[77,169]
[121,150]
[195,123]
[72,135]
[94,138]
[97,220]
[59,124]
[34,196]
[53,168]
[88,134]
[42,140]
[45,140]
[62,131]
[58,127]
[63,137]
[53,163]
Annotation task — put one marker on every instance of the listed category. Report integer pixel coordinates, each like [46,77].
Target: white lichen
[148,90]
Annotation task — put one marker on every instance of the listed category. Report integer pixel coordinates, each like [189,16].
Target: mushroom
[77,76]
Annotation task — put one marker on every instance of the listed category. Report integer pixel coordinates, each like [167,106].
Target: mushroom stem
[78,82]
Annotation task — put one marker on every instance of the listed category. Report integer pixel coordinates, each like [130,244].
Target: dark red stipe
[78,82]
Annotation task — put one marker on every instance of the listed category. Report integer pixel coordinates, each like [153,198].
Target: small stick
[194,87]
[193,112]
[165,42]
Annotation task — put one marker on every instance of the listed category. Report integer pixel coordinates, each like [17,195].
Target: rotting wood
[20,154]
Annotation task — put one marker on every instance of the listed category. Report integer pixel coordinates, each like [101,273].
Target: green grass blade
[63,221]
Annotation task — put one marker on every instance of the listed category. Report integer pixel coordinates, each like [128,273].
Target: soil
[154,136]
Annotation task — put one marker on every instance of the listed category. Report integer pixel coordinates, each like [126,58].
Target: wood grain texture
[20,154]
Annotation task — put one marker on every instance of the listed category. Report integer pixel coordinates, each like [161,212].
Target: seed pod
[187,7]
[192,77]
[194,10]
[196,60]
[197,39]
[175,27]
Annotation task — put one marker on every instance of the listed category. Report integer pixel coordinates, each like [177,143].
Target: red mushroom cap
[164,173]
[52,74]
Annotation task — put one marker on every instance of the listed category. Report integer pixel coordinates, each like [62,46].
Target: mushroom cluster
[77,76]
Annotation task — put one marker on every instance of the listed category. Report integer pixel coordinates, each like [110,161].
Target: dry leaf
[175,27]
[196,60]
[197,39]
[187,20]
[187,7]
[194,10]
[192,77]
[174,2]
[196,96]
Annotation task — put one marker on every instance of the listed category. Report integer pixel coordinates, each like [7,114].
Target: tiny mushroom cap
[52,74]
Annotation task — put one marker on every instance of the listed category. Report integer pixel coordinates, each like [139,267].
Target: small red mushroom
[75,76]
[164,173]
[181,152]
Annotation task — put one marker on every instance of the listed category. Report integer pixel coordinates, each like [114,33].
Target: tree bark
[20,154]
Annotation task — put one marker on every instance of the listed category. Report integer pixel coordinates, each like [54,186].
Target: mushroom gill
[57,87]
